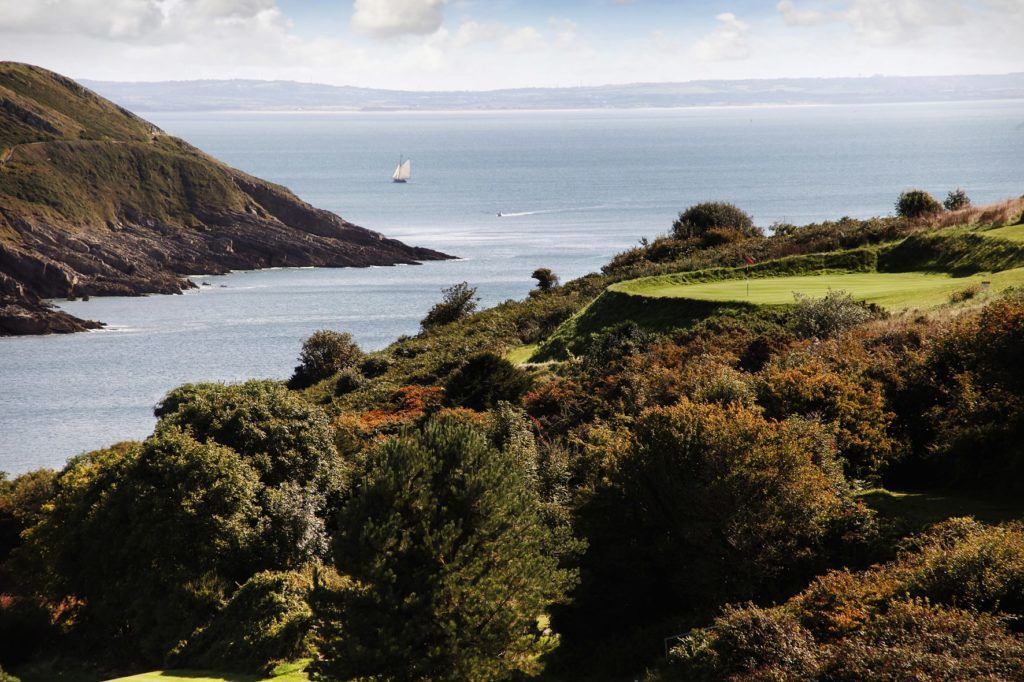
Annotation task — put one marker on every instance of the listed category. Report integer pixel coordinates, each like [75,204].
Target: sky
[488,44]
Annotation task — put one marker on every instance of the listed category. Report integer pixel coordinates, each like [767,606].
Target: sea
[572,188]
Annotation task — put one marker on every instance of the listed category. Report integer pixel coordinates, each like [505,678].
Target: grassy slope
[894,290]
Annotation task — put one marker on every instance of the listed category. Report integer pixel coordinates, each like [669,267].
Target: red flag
[750,261]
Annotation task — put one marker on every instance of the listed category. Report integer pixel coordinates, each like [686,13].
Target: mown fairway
[889,289]
[208,676]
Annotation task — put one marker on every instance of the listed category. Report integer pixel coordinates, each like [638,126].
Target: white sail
[404,170]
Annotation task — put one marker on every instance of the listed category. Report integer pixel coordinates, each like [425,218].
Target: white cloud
[565,30]
[471,32]
[389,18]
[525,39]
[886,22]
[796,17]
[727,42]
[117,19]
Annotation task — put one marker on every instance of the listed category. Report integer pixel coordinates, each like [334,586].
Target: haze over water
[573,189]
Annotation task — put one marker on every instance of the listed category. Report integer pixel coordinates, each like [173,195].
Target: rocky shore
[94,201]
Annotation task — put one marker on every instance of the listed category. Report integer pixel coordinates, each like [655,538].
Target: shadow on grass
[906,512]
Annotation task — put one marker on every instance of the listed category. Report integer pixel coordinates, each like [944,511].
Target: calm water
[574,188]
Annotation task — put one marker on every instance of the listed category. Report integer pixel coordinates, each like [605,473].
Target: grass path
[888,289]
[211,676]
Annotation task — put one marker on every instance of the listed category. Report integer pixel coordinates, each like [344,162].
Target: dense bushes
[266,621]
[916,203]
[485,380]
[829,316]
[323,354]
[713,218]
[720,502]
[469,566]
[937,612]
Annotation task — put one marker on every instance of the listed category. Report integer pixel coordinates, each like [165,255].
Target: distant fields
[895,290]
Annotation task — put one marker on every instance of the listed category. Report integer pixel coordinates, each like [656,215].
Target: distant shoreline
[527,110]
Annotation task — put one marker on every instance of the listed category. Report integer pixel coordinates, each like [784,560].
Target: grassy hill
[96,201]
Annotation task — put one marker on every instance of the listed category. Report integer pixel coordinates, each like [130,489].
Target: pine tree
[448,565]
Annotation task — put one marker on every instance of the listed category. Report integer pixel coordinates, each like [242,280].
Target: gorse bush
[956,200]
[485,380]
[829,316]
[323,354]
[458,301]
[698,220]
[916,203]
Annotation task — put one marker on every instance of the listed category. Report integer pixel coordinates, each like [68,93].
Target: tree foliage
[485,380]
[956,199]
[450,562]
[546,278]
[700,219]
[324,354]
[917,203]
[458,301]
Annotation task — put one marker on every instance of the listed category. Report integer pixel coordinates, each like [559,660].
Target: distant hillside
[96,201]
[288,95]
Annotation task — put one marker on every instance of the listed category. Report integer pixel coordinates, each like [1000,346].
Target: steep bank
[96,201]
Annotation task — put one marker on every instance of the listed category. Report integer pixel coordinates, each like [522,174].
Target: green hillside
[96,201]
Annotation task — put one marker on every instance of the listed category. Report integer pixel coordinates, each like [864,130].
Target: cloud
[471,32]
[390,18]
[118,19]
[794,17]
[886,22]
[727,42]
[525,39]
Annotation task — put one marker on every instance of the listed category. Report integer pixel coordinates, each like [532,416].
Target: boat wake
[575,209]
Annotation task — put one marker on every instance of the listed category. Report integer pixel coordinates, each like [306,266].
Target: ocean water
[573,189]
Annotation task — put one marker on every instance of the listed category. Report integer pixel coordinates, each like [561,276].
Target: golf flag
[750,261]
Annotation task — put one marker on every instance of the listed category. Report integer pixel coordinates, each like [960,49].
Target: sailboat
[403,171]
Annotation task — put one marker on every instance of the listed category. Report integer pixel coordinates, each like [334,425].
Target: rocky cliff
[96,201]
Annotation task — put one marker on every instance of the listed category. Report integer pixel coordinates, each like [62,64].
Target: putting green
[889,289]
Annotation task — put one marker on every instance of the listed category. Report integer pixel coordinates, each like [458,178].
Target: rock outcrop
[95,201]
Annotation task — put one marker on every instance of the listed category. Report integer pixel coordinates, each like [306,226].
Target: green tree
[485,380]
[956,200]
[699,219]
[449,560]
[149,538]
[916,203]
[324,354]
[546,278]
[458,301]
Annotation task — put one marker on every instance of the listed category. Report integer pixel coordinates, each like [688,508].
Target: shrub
[323,354]
[915,640]
[748,643]
[916,203]
[21,506]
[266,621]
[609,346]
[485,380]
[965,294]
[458,301]
[7,677]
[284,437]
[829,316]
[855,411]
[546,278]
[148,538]
[720,503]
[956,200]
[374,366]
[699,219]
[349,379]
[451,565]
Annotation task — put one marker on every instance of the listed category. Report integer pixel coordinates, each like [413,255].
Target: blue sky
[480,44]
